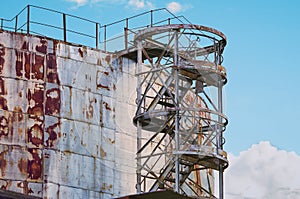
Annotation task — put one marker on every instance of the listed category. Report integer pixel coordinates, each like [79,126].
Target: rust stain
[99,62]
[19,63]
[106,186]
[52,101]
[53,134]
[3,126]
[107,106]
[23,60]
[22,165]
[25,45]
[106,73]
[7,185]
[52,74]
[2,60]
[27,56]
[38,67]
[107,59]
[43,47]
[17,114]
[90,110]
[80,52]
[24,186]
[35,100]
[3,163]
[2,88]
[35,135]
[102,86]
[35,165]
[102,152]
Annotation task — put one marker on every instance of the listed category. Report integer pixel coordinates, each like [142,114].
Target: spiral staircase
[179,117]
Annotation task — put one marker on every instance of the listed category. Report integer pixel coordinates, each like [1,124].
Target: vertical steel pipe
[139,129]
[64,27]
[28,19]
[177,176]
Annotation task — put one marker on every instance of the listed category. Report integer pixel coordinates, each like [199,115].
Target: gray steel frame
[180,124]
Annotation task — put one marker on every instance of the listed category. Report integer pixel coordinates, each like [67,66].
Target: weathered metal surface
[180,102]
[60,136]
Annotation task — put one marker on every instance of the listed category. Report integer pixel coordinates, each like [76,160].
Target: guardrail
[115,36]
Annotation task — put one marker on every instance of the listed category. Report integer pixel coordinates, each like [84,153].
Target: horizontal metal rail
[27,22]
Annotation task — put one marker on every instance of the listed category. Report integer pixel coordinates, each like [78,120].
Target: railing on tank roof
[115,36]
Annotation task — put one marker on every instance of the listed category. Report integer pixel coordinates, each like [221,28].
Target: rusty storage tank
[87,122]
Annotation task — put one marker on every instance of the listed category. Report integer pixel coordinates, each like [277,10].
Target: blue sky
[262,98]
[262,95]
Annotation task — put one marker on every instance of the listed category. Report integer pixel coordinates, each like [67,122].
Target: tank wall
[65,119]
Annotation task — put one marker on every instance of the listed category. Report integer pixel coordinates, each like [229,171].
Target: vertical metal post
[151,18]
[177,171]
[220,137]
[16,23]
[64,27]
[139,129]
[97,37]
[104,38]
[28,19]
[126,34]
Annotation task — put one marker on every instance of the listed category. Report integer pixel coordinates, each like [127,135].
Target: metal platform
[163,194]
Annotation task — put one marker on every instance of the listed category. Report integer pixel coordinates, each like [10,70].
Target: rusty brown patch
[3,163]
[35,100]
[17,114]
[80,52]
[24,186]
[38,67]
[3,126]
[25,45]
[52,101]
[90,110]
[107,106]
[102,86]
[2,88]
[22,165]
[35,165]
[99,62]
[52,131]
[102,152]
[52,74]
[35,135]
[43,47]
[19,63]
[2,60]
[107,59]
[27,57]
[7,185]
[3,103]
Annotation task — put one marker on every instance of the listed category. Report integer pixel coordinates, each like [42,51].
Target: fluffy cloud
[263,172]
[79,2]
[140,4]
[174,7]
[136,4]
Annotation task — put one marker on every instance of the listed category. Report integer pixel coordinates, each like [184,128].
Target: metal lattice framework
[179,118]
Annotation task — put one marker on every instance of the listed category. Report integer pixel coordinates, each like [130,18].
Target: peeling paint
[57,120]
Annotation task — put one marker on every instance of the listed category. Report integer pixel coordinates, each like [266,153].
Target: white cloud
[79,2]
[137,3]
[140,4]
[174,7]
[263,172]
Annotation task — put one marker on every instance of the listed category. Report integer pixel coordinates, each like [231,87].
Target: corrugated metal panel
[61,130]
